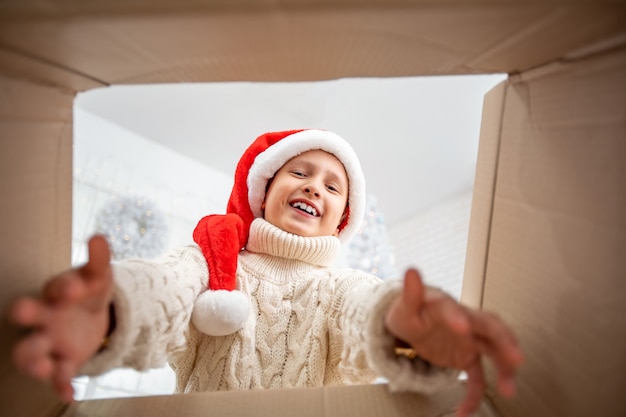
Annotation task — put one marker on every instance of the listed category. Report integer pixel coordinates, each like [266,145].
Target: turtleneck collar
[265,238]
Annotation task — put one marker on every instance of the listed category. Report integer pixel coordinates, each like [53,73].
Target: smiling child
[256,302]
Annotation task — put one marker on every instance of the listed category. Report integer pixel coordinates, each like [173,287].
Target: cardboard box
[547,239]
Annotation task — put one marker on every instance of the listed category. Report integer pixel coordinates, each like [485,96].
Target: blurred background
[151,160]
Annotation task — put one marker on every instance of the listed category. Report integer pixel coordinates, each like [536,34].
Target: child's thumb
[413,291]
[99,255]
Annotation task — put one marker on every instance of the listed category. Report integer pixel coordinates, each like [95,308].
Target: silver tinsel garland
[134,227]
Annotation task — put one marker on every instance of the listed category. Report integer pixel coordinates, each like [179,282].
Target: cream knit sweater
[310,324]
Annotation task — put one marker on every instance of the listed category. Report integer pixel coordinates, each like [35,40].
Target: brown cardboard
[482,196]
[556,267]
[362,401]
[547,232]
[35,178]
[307,43]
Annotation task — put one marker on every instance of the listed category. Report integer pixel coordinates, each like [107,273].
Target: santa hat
[223,309]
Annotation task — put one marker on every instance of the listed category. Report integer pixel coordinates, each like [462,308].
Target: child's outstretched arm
[448,334]
[69,321]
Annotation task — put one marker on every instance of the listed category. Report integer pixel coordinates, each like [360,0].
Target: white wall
[416,137]
[111,162]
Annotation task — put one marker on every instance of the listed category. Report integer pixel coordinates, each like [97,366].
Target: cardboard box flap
[36,220]
[482,196]
[67,8]
[16,65]
[557,259]
[552,34]
[311,43]
[362,401]
[36,172]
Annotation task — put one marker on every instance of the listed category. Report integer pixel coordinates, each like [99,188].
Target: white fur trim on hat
[267,163]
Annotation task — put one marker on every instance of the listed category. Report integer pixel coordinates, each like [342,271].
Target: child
[276,313]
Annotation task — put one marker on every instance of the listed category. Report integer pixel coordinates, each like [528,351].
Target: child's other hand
[448,334]
[69,321]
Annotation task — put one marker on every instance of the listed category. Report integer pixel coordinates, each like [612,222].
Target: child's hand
[68,321]
[448,334]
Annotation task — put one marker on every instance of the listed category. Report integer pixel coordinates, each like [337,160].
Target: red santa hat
[223,309]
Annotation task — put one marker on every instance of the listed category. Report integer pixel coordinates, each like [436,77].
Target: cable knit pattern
[399,370]
[310,324]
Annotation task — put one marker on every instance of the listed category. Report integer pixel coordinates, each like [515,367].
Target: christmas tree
[369,250]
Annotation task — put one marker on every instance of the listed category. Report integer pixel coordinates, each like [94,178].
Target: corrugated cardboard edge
[361,400]
[482,198]
[36,212]
[556,257]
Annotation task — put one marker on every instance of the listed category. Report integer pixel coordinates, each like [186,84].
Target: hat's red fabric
[221,237]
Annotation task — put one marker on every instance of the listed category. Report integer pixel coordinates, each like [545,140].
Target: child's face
[308,195]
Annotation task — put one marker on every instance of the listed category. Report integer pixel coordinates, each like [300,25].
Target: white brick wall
[435,242]
[110,162]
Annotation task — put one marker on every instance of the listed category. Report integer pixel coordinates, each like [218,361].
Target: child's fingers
[499,339]
[499,343]
[434,306]
[27,312]
[97,274]
[62,380]
[99,257]
[41,368]
[64,288]
[506,385]
[442,312]
[413,291]
[474,391]
[453,316]
[505,370]
[31,356]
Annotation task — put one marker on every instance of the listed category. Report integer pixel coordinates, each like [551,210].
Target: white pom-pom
[221,312]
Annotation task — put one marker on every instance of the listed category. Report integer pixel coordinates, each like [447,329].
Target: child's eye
[332,188]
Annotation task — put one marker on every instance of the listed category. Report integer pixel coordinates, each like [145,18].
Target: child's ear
[343,217]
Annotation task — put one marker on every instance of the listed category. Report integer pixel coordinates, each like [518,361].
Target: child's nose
[310,189]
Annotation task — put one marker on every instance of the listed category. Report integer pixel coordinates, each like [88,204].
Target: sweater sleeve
[152,300]
[403,373]
[368,348]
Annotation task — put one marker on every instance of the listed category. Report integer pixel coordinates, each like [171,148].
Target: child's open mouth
[300,205]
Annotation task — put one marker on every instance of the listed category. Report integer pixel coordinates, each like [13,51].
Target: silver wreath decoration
[134,227]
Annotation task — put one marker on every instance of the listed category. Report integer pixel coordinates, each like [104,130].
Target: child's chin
[307,232]
[297,229]
[301,228]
